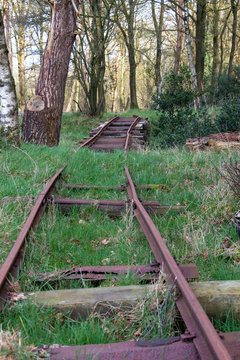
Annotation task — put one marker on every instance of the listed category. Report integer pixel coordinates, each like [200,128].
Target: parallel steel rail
[206,339]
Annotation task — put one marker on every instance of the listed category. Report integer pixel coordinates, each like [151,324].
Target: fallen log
[217,141]
[216,297]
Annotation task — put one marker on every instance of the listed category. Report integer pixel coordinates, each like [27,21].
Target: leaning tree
[42,116]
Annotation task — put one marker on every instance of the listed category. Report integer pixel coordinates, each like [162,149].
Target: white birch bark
[9,124]
[190,56]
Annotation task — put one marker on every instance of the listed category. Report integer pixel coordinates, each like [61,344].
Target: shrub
[173,128]
[229,117]
[228,87]
[177,91]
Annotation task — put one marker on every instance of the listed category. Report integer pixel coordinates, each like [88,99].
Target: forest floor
[198,234]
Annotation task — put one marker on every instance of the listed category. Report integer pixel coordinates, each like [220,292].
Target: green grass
[196,235]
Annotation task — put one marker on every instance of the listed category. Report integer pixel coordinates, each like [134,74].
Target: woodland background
[163,54]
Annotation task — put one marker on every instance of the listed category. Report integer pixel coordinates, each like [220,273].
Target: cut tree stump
[216,297]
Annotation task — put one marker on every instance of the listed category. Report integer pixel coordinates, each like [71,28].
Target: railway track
[200,341]
[118,133]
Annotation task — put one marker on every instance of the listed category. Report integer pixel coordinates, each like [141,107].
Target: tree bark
[190,56]
[215,63]
[21,73]
[8,99]
[221,43]
[128,10]
[180,29]
[158,26]
[42,127]
[234,8]
[200,42]
[131,57]
[70,100]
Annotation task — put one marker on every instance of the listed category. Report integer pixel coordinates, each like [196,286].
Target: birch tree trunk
[190,56]
[42,116]
[8,99]
[158,26]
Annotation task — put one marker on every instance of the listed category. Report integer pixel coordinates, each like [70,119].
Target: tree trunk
[70,100]
[42,116]
[8,99]
[234,8]
[158,26]
[215,63]
[200,42]
[21,73]
[132,62]
[190,56]
[179,18]
[132,78]
[6,22]
[221,42]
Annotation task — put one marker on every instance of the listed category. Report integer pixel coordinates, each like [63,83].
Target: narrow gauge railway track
[118,133]
[201,341]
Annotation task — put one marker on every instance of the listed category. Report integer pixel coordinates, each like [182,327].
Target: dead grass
[152,316]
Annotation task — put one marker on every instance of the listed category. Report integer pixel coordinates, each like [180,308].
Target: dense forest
[109,56]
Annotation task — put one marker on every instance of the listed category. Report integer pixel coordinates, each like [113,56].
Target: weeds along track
[199,341]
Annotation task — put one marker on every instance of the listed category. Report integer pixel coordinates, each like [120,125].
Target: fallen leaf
[17,297]
[105,241]
[76,241]
[105,261]
[138,332]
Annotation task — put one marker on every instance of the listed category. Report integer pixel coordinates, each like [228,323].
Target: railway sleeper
[216,297]
[112,207]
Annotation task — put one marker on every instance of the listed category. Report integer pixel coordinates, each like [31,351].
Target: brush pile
[218,141]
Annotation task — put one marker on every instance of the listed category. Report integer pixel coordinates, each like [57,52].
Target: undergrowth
[200,233]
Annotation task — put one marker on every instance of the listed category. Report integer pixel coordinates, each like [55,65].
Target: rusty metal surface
[207,341]
[145,272]
[125,351]
[93,138]
[126,145]
[115,134]
[112,207]
[12,262]
[178,348]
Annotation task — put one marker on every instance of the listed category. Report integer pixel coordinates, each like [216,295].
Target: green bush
[228,87]
[177,91]
[229,117]
[173,128]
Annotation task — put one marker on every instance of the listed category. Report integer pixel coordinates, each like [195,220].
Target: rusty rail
[126,145]
[202,342]
[205,337]
[13,260]
[96,136]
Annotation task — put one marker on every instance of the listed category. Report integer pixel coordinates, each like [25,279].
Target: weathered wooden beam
[216,297]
